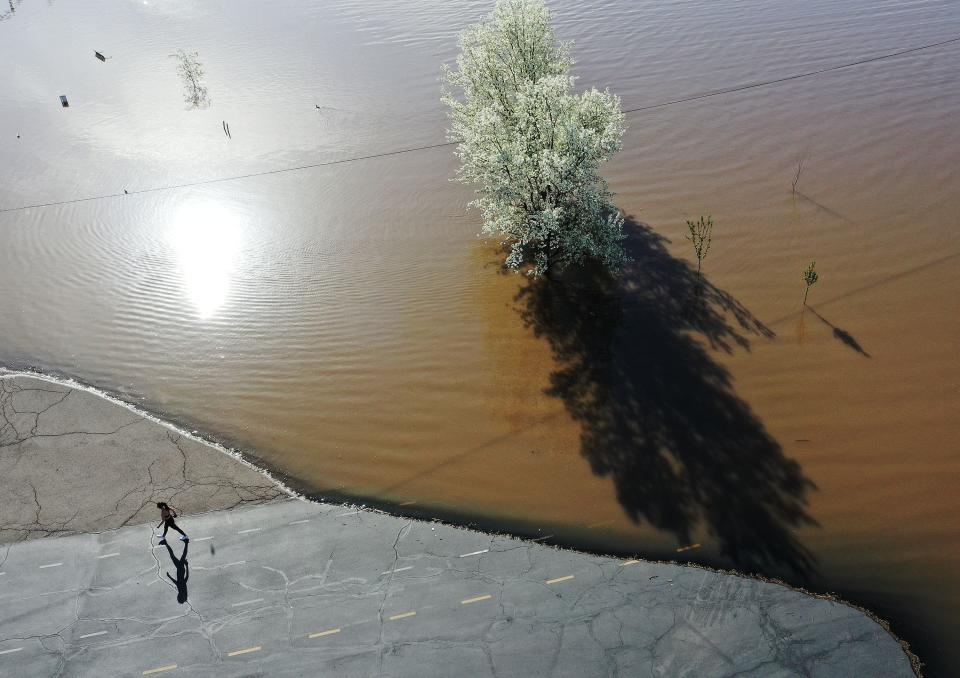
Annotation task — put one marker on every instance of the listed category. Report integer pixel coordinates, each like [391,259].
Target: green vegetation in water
[810,276]
[701,235]
[531,146]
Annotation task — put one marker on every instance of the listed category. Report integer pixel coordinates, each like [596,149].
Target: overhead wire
[788,78]
[415,149]
[201,182]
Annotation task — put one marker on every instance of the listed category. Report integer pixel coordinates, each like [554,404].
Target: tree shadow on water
[658,415]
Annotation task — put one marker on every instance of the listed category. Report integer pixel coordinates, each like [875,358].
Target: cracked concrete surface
[110,608]
[257,581]
[73,462]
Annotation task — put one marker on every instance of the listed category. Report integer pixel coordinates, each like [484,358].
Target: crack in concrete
[386,592]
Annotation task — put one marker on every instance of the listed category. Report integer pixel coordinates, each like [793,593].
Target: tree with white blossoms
[531,145]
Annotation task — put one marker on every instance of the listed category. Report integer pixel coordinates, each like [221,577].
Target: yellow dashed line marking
[687,548]
[630,562]
[475,553]
[402,616]
[246,651]
[319,634]
[399,569]
[600,524]
[92,635]
[168,667]
[475,600]
[248,602]
[560,579]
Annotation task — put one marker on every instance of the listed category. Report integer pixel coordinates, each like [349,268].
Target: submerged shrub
[701,235]
[810,276]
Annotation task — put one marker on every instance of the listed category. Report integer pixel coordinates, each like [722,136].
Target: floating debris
[99,56]
[63,101]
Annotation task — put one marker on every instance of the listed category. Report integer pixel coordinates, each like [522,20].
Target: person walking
[167,514]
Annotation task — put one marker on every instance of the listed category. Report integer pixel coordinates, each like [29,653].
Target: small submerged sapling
[810,277]
[700,235]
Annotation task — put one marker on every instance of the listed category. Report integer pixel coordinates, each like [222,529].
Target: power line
[230,178]
[798,76]
[672,102]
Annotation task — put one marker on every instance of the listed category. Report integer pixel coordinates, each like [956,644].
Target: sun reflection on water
[206,239]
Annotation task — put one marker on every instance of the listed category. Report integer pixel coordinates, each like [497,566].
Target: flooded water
[346,325]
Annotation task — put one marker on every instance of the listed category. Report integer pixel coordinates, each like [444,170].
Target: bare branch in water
[796,176]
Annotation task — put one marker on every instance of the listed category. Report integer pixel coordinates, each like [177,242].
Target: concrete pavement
[295,588]
[283,587]
[72,461]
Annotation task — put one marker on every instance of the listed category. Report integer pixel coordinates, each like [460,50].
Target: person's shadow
[183,572]
[659,415]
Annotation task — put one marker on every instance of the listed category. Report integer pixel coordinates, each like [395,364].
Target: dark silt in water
[345,324]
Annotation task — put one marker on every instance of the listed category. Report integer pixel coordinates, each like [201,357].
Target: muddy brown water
[347,325]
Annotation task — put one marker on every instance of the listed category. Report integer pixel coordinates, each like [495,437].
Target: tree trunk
[546,270]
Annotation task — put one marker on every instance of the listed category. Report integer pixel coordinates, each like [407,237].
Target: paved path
[292,588]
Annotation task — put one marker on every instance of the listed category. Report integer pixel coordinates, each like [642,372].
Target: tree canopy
[531,145]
